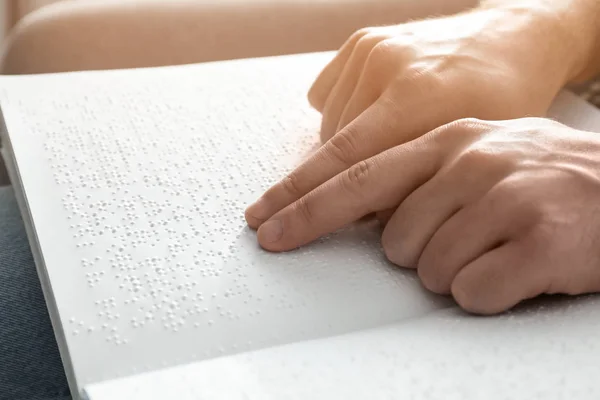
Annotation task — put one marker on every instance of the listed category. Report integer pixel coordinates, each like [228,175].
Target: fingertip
[272,237]
[252,222]
[475,297]
[465,299]
[257,213]
[270,232]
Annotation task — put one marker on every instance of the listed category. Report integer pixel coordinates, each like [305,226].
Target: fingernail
[259,210]
[270,232]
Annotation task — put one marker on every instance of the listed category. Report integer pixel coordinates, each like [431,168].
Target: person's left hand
[490,212]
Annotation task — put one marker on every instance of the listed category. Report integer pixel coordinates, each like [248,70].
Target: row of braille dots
[78,327]
[123,262]
[223,183]
[192,185]
[134,238]
[162,294]
[85,230]
[157,287]
[109,327]
[175,304]
[120,261]
[95,220]
[92,217]
[93,226]
[106,176]
[90,167]
[88,264]
[208,186]
[173,320]
[94,278]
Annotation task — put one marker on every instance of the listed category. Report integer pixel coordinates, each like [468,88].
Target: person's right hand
[491,212]
[389,85]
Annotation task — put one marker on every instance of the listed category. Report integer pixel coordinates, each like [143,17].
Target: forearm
[573,29]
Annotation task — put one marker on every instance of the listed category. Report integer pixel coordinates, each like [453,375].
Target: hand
[490,212]
[389,85]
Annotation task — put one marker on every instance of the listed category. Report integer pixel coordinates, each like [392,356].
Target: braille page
[135,183]
[543,350]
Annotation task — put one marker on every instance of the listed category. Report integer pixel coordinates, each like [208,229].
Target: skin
[490,212]
[494,204]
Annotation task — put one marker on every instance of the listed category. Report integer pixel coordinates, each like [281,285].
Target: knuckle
[467,125]
[341,146]
[533,124]
[448,133]
[303,208]
[357,35]
[366,45]
[381,52]
[291,185]
[382,58]
[357,177]
[388,65]
[475,158]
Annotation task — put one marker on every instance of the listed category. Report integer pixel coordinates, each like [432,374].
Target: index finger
[366,136]
[378,183]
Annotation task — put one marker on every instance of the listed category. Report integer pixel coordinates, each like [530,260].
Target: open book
[133,185]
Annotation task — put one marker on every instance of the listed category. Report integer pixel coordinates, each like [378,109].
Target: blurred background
[42,36]
[14,10]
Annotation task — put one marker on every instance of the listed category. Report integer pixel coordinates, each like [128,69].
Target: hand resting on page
[434,127]
[490,212]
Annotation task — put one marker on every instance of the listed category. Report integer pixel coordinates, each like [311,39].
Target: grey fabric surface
[30,365]
[3,174]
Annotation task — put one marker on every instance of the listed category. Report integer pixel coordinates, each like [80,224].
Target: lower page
[135,183]
[544,350]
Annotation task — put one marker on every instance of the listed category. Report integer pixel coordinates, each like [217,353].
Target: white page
[541,350]
[546,351]
[135,183]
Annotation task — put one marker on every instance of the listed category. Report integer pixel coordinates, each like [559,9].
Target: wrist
[566,31]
